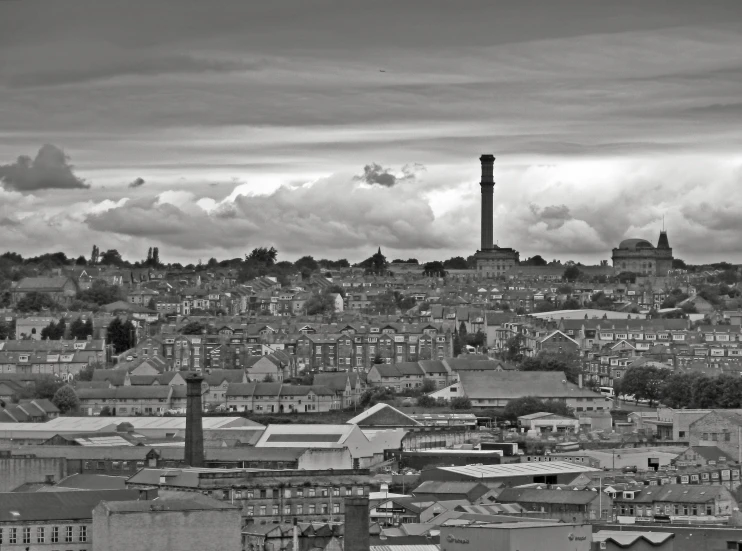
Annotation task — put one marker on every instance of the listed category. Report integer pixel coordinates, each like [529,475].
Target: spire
[663,242]
[379,251]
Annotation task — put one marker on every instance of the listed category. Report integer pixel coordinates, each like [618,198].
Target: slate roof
[532,495]
[509,385]
[71,505]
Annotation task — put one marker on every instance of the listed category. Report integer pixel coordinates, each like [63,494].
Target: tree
[263,255]
[54,331]
[35,302]
[530,404]
[105,411]
[66,399]
[426,401]
[462,331]
[156,257]
[268,378]
[46,386]
[87,373]
[536,260]
[193,328]
[152,304]
[678,264]
[95,255]
[457,346]
[456,263]
[306,264]
[384,303]
[460,402]
[320,303]
[7,330]
[375,264]
[428,386]
[434,269]
[571,273]
[81,261]
[121,335]
[644,383]
[112,258]
[600,301]
[100,293]
[514,348]
[571,304]
[554,361]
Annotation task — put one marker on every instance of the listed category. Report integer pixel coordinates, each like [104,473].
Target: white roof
[580,314]
[94,424]
[375,409]
[519,469]
[306,436]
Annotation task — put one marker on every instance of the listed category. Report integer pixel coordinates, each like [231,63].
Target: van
[607,391]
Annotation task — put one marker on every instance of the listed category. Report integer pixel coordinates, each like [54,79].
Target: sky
[331,128]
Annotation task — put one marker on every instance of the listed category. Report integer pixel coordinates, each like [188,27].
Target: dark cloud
[49,170]
[375,174]
[553,215]
[9,223]
[92,67]
[137,183]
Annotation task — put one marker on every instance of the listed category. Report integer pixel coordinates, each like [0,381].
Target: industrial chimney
[356,532]
[194,439]
[487,184]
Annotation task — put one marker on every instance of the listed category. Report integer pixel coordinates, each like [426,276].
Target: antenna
[663,222]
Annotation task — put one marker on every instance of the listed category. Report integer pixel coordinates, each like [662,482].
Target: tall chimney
[194,440]
[487,184]
[355,534]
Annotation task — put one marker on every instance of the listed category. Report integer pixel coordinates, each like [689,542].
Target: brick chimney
[194,439]
[356,535]
[487,185]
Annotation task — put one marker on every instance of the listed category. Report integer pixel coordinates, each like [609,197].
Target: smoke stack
[487,184]
[356,533]
[194,440]
[579,379]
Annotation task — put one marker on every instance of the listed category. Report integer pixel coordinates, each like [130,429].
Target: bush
[426,401]
[66,399]
[460,402]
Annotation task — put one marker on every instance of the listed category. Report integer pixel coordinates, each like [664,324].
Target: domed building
[641,257]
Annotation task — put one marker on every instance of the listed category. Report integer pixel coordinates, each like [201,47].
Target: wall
[688,538]
[19,470]
[715,424]
[318,459]
[548,537]
[205,530]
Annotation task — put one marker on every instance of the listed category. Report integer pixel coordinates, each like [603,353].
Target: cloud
[327,215]
[375,174]
[49,170]
[137,183]
[554,215]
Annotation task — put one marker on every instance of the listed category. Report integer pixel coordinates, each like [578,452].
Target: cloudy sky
[333,127]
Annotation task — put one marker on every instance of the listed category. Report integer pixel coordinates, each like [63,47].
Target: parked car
[629,469]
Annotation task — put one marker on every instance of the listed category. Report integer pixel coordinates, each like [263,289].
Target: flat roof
[519,469]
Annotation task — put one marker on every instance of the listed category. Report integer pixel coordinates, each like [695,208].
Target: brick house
[61,290]
[720,428]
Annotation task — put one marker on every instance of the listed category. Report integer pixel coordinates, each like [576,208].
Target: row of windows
[667,509]
[717,436]
[270,493]
[55,533]
[298,509]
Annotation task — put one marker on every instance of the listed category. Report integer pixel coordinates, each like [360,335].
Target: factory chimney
[356,532]
[194,438]
[487,184]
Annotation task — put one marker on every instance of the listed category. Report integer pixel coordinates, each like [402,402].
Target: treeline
[682,390]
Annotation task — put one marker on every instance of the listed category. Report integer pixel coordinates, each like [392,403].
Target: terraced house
[280,398]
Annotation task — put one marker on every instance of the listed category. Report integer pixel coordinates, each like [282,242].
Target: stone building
[190,521]
[639,256]
[720,428]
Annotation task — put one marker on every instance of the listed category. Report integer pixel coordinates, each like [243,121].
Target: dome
[635,244]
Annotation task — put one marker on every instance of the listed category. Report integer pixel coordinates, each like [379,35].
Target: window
[40,535]
[311,509]
[323,508]
[300,492]
[335,508]
[287,493]
[323,492]
[299,509]
[67,534]
[55,534]
[250,510]
[83,533]
[359,491]
[275,509]
[26,534]
[336,492]
[13,535]
[312,492]
[287,509]
[262,510]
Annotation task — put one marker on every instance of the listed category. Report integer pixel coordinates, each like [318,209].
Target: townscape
[326,405]
[370,276]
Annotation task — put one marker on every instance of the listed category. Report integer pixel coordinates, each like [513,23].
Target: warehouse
[555,472]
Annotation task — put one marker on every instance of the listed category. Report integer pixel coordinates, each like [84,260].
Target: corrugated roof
[518,469]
